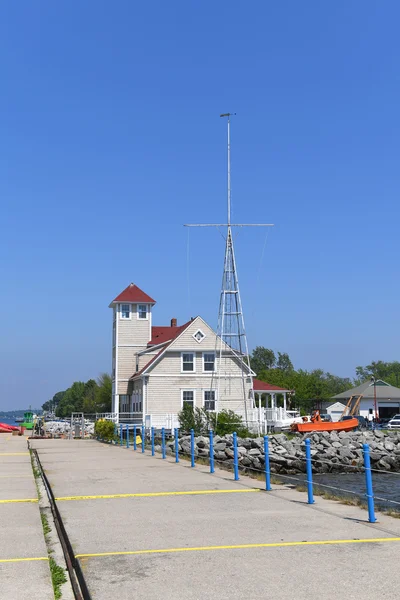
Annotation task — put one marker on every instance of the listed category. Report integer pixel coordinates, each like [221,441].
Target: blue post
[368,482]
[211,451]
[152,441]
[143,437]
[127,435]
[266,465]
[163,453]
[134,437]
[176,445]
[192,447]
[235,457]
[309,473]
[115,432]
[120,435]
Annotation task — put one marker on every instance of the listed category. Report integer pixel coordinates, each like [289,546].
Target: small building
[387,398]
[335,410]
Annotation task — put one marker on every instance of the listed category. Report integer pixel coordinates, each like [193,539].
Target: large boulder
[220,446]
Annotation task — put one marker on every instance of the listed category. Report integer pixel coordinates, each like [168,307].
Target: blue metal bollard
[120,435]
[235,457]
[192,447]
[176,445]
[211,451]
[309,473]
[134,437]
[266,465]
[368,482]
[143,437]
[127,435]
[163,453]
[152,441]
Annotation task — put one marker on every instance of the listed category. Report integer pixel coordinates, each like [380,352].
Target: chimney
[174,322]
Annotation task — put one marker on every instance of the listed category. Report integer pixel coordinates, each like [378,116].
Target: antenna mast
[231,334]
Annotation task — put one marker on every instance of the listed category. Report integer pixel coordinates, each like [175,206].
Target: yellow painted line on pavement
[15,500]
[14,560]
[14,454]
[241,547]
[153,494]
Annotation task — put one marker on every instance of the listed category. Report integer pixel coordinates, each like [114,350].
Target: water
[8,421]
[352,485]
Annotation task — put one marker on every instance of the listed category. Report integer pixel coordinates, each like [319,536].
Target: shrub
[201,421]
[104,430]
[190,418]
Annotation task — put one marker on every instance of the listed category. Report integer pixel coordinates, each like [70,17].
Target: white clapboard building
[156,369]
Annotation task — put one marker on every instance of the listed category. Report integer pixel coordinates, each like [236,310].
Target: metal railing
[140,438]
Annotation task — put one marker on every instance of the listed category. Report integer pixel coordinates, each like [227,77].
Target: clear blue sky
[111,140]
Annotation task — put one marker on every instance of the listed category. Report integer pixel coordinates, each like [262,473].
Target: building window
[114,334]
[209,361]
[125,311]
[142,311]
[188,362]
[124,401]
[199,336]
[209,399]
[188,398]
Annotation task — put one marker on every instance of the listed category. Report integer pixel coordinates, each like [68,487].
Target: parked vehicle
[326,418]
[394,423]
[362,421]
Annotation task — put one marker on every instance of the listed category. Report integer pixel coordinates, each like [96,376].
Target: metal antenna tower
[231,332]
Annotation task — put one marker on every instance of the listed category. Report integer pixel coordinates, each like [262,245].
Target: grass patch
[45,524]
[57,577]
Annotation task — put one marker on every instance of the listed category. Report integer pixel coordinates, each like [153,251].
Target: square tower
[132,316]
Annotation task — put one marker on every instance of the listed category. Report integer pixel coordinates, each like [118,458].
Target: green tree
[104,393]
[262,359]
[284,363]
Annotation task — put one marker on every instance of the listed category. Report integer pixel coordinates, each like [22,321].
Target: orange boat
[317,424]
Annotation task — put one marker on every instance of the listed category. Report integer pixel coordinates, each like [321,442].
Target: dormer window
[199,336]
[125,311]
[142,311]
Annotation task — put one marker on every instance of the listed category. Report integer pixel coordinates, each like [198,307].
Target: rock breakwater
[331,452]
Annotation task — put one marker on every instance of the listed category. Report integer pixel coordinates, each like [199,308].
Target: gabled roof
[133,294]
[263,386]
[384,391]
[174,333]
[160,334]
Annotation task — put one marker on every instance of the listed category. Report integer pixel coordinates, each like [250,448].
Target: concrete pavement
[197,546]
[21,527]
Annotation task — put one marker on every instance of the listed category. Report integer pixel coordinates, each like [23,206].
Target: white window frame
[194,396]
[214,370]
[196,332]
[194,362]
[215,399]
[130,311]
[146,318]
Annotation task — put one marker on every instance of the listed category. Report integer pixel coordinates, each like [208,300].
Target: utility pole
[231,332]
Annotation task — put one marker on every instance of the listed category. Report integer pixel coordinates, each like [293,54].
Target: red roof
[165,334]
[134,294]
[261,386]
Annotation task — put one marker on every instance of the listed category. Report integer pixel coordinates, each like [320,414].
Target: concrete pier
[24,568]
[221,539]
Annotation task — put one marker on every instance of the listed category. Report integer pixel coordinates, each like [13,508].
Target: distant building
[387,398]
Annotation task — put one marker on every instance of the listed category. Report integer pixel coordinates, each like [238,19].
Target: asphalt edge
[52,540]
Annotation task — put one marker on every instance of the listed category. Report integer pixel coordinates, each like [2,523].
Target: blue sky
[111,140]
